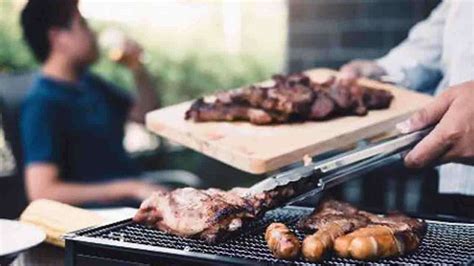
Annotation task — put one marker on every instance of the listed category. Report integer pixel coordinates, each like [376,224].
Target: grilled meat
[288,95]
[398,222]
[291,98]
[206,214]
[201,111]
[376,99]
[323,107]
[189,212]
[316,246]
[333,212]
[376,241]
[283,243]
[372,236]
[331,220]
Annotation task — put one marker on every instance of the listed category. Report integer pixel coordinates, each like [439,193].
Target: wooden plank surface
[260,149]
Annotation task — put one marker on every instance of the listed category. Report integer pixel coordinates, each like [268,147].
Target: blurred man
[72,121]
[441,47]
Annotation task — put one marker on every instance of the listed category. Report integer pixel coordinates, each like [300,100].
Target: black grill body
[128,243]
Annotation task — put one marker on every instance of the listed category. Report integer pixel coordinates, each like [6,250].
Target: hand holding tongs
[345,166]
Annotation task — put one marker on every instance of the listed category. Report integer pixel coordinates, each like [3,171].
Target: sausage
[316,246]
[375,241]
[283,243]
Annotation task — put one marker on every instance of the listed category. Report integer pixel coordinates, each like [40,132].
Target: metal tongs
[343,167]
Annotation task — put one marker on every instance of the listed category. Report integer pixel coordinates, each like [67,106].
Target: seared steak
[290,98]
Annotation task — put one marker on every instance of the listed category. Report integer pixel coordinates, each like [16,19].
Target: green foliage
[14,54]
[180,75]
[195,74]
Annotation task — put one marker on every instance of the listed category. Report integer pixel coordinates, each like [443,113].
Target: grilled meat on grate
[332,211]
[190,212]
[332,219]
[206,214]
[291,98]
[370,236]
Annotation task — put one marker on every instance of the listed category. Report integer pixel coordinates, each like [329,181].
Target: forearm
[147,97]
[76,193]
[415,63]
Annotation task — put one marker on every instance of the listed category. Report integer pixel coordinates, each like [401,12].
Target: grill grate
[444,243]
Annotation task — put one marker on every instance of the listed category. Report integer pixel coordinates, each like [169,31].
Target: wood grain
[260,149]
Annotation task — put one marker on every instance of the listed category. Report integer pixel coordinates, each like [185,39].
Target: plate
[17,237]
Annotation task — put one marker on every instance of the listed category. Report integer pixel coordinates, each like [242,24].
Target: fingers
[428,149]
[355,69]
[450,156]
[131,47]
[157,188]
[457,154]
[348,74]
[427,116]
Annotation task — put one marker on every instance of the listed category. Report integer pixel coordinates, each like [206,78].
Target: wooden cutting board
[260,149]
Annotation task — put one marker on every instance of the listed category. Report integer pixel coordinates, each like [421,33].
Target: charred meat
[210,214]
[190,212]
[333,212]
[202,111]
[358,234]
[291,98]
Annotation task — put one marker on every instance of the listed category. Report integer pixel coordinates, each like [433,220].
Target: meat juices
[291,98]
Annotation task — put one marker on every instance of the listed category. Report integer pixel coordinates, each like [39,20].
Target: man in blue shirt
[72,121]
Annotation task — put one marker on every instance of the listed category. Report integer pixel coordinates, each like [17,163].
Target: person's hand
[135,189]
[131,54]
[452,139]
[355,69]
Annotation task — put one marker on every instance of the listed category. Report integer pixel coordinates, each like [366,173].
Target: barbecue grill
[129,243]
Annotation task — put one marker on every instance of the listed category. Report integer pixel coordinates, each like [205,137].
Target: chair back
[13,90]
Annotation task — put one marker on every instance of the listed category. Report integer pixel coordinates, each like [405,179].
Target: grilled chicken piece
[291,98]
[190,212]
[206,214]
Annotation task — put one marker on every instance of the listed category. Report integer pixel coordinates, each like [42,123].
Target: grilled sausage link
[375,241]
[283,243]
[317,245]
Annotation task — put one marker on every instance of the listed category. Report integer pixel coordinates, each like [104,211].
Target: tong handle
[333,170]
[345,175]
[364,153]
[345,167]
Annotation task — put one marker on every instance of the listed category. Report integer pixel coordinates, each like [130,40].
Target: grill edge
[444,243]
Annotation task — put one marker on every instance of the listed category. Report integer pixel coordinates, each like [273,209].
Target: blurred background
[194,47]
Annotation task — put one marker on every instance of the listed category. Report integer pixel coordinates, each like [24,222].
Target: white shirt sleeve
[416,62]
